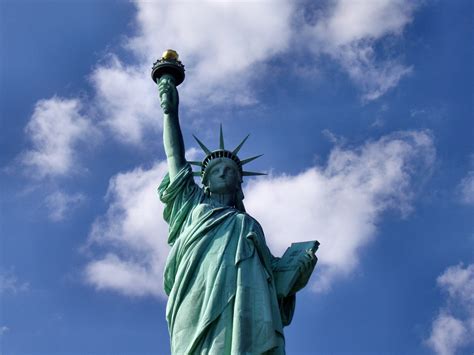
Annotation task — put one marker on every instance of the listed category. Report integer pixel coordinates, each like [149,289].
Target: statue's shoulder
[251,221]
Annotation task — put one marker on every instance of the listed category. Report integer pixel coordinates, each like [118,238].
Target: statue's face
[223,178]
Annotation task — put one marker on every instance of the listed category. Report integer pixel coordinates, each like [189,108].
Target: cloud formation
[55,129]
[453,327]
[60,204]
[355,186]
[226,45]
[348,32]
[126,99]
[340,203]
[9,283]
[133,233]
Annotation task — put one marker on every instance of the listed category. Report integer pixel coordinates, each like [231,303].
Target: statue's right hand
[168,94]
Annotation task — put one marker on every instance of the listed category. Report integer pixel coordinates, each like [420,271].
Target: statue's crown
[223,153]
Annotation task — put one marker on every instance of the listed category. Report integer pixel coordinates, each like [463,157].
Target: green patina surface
[219,275]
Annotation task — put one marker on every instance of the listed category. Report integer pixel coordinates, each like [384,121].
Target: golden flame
[170,54]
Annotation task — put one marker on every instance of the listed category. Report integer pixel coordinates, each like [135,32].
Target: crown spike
[201,144]
[221,139]
[251,173]
[236,150]
[248,160]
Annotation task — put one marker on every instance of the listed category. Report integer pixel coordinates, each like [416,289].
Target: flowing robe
[218,277]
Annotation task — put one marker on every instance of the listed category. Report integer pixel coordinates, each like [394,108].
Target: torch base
[175,69]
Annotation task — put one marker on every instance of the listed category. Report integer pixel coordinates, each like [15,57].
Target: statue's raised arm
[168,73]
[172,136]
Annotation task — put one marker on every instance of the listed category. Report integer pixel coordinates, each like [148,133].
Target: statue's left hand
[307,264]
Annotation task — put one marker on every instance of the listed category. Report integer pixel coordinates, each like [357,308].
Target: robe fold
[218,277]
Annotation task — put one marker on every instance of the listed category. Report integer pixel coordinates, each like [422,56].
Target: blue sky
[363,110]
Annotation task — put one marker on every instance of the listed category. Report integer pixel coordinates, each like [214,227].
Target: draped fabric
[218,277]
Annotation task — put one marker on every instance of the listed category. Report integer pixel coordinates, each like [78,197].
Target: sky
[363,111]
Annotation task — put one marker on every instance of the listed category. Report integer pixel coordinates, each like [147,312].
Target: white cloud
[349,21]
[60,204]
[224,43]
[453,328]
[340,203]
[126,99]
[374,77]
[55,128]
[9,283]
[349,30]
[355,186]
[448,334]
[226,47]
[459,282]
[134,233]
[466,188]
[128,277]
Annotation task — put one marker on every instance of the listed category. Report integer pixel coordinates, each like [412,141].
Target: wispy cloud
[9,283]
[348,31]
[58,130]
[60,204]
[133,233]
[355,186]
[453,327]
[55,129]
[126,99]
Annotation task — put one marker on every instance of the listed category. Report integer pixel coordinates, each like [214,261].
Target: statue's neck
[224,199]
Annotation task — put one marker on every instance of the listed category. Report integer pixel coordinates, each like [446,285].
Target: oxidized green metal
[227,293]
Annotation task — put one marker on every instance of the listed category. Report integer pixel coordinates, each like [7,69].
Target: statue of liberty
[226,292]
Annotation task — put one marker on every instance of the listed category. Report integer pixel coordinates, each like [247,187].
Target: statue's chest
[201,210]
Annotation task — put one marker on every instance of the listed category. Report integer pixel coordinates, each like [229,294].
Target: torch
[168,65]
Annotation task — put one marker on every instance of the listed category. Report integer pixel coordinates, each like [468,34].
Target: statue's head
[222,176]
[222,172]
